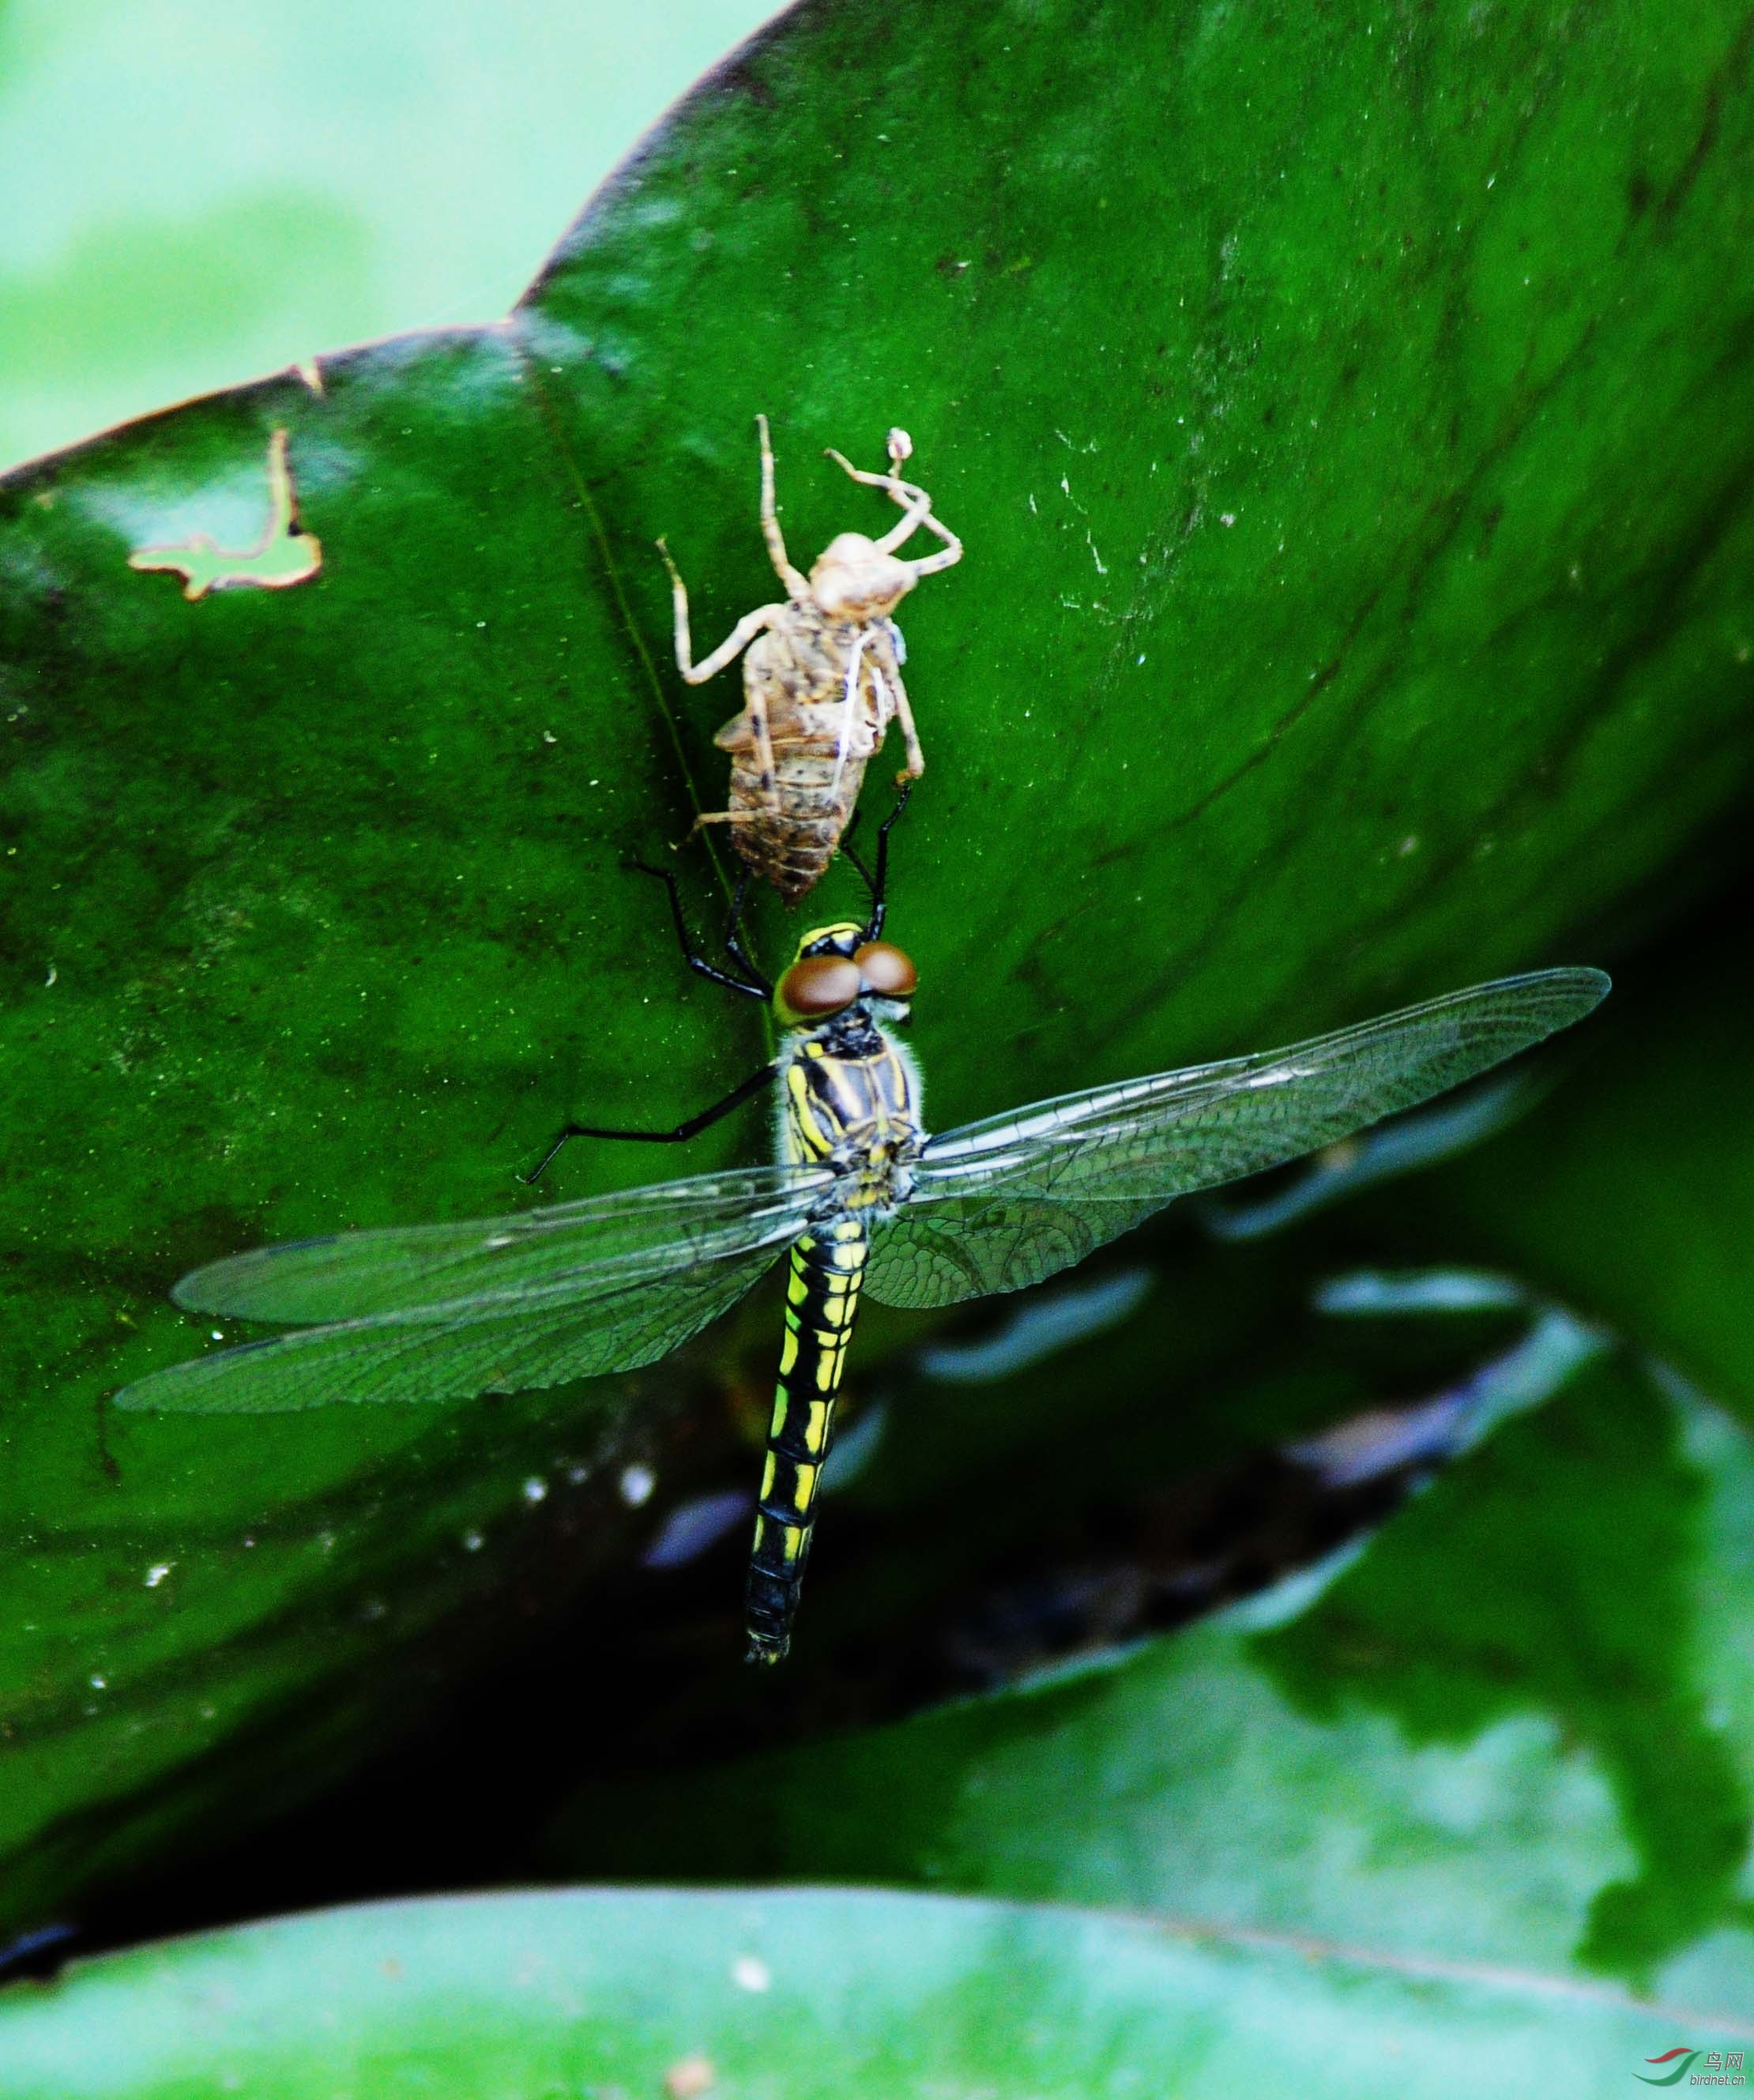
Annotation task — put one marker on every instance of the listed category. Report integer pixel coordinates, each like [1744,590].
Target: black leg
[845,847]
[878,883]
[735,1098]
[733,937]
[691,954]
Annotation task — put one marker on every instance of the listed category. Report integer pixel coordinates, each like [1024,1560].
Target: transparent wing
[486,1345]
[592,1244]
[437,1313]
[1001,1204]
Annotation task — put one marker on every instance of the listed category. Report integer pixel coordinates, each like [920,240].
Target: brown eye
[816,985]
[885,970]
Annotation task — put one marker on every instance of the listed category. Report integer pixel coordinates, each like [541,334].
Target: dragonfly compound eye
[815,987]
[886,970]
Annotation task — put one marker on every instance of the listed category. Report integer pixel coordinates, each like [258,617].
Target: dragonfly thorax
[851,1103]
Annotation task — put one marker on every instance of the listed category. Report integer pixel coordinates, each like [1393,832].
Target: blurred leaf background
[197,194]
[1468,394]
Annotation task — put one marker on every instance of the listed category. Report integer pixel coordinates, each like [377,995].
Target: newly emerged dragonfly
[860,1195]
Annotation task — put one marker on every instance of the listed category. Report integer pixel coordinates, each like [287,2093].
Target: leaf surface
[808,1993]
[1514,1732]
[1349,425]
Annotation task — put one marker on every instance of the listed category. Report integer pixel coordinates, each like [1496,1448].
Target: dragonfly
[861,1198]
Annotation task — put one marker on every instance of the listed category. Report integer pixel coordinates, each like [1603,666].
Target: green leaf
[1351,434]
[809,1993]
[1517,1732]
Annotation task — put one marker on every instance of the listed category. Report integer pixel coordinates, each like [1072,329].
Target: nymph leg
[739,638]
[796,585]
[918,505]
[904,714]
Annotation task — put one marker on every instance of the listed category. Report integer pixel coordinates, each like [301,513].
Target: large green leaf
[1516,1732]
[1348,422]
[807,1994]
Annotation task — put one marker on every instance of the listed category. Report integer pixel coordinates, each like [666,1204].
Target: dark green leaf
[1349,425]
[1515,1733]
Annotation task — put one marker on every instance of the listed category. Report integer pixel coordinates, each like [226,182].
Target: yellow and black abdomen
[822,1298]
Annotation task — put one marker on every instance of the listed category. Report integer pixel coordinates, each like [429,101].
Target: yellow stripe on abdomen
[822,1303]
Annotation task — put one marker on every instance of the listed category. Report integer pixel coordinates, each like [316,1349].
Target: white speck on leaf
[749,1972]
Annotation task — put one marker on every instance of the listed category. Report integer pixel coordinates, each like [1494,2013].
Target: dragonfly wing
[973,1246]
[440,1312]
[593,1245]
[1006,1202]
[487,1344]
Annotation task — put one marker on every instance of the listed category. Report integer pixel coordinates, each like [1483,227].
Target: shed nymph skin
[821,680]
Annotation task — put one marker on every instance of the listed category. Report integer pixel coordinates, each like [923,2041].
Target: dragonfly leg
[735,1099]
[733,935]
[878,882]
[845,847]
[691,955]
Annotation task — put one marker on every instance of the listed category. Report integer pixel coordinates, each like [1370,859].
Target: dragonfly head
[835,968]
[854,579]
